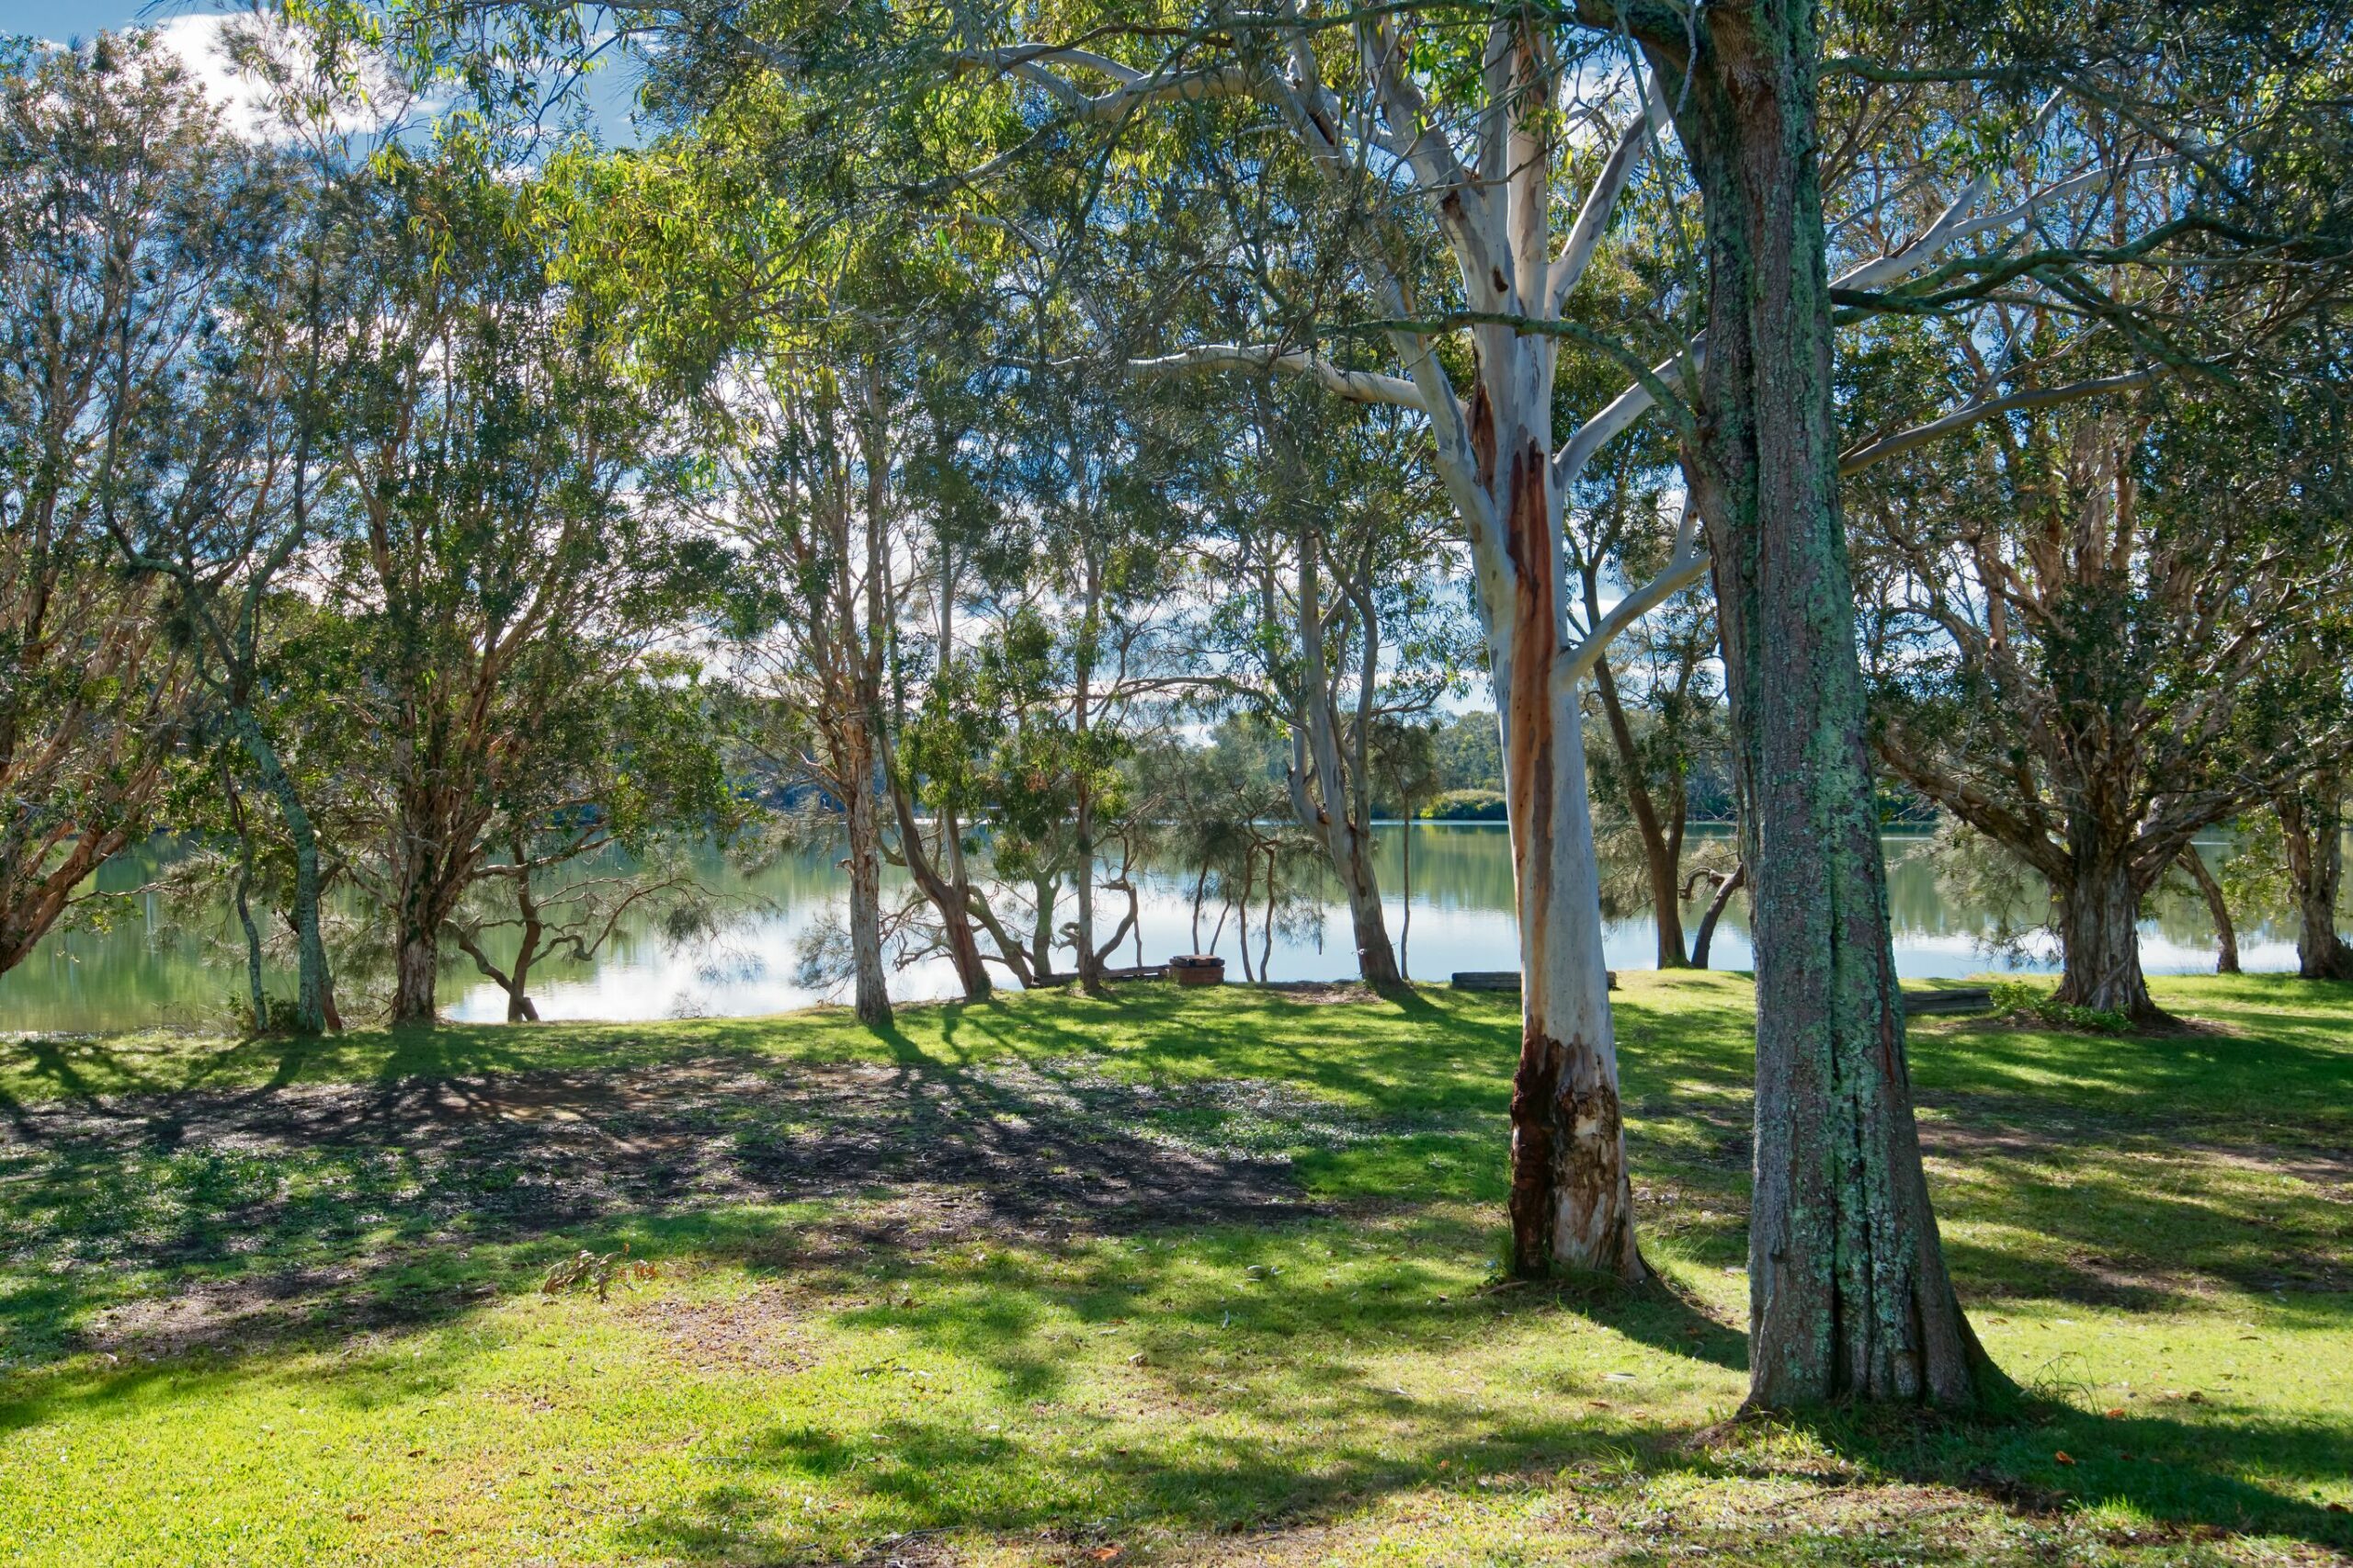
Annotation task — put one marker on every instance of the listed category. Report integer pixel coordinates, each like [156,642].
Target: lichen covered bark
[1850,1295]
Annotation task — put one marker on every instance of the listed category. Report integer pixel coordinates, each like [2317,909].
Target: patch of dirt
[758,1333]
[1323,993]
[230,1195]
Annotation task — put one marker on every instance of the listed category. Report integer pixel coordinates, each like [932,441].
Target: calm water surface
[144,971]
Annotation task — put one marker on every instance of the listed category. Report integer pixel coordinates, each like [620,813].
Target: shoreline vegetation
[1156,1277]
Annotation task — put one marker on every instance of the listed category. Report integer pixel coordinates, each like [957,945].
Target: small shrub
[2022,998]
[278,1016]
[596,1271]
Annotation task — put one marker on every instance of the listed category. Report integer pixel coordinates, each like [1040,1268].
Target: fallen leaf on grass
[2064,1456]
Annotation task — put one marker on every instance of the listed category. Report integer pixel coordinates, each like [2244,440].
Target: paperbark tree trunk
[2218,910]
[2311,822]
[1849,1296]
[2100,934]
[417,968]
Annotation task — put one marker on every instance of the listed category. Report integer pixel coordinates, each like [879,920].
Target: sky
[190,26]
[62,19]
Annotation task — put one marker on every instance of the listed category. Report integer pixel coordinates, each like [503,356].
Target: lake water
[144,971]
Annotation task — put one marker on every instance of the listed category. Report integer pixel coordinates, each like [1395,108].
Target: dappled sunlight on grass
[1048,1277]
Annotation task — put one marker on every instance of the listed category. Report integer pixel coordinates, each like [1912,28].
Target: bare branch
[1886,446]
[1592,218]
[1356,386]
[1684,568]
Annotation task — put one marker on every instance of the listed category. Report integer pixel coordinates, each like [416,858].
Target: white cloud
[202,43]
[205,46]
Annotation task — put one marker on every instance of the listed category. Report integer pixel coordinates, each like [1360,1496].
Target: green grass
[1201,1277]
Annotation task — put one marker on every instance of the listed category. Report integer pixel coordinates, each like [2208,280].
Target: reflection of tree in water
[154,963]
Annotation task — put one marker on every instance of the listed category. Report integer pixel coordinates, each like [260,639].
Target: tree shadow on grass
[2189,1477]
[920,1474]
[295,1209]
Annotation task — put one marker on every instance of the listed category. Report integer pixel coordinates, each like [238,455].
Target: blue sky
[185,25]
[71,18]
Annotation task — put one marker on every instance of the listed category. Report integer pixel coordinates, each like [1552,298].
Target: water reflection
[144,970]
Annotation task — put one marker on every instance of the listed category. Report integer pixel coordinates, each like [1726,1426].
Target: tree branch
[1862,458]
[1356,386]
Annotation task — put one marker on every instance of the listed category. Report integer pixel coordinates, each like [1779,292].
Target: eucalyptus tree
[217,262]
[802,473]
[1335,558]
[1104,559]
[500,584]
[117,191]
[1460,120]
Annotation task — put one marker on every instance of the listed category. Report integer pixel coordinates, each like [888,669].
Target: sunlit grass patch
[1163,1276]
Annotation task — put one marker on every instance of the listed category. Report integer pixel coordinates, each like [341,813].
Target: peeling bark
[2099,935]
[1571,1197]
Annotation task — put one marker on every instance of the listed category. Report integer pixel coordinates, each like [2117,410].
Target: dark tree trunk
[2218,909]
[2311,822]
[519,1006]
[1706,935]
[1849,1296]
[871,995]
[313,999]
[1659,857]
[950,894]
[2100,935]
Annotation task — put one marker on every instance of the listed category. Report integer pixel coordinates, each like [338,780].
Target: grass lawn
[1200,1277]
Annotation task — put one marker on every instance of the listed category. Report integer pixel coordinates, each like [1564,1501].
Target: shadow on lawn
[251,1204]
[250,1216]
[918,1475]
